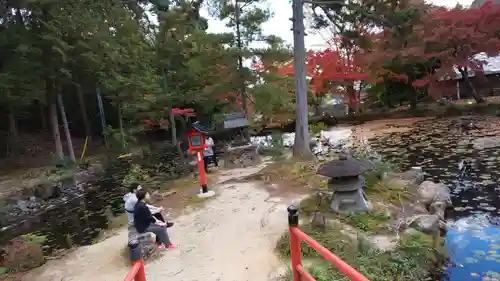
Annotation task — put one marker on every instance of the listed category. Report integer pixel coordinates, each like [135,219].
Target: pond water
[474,246]
[75,218]
[75,222]
[439,146]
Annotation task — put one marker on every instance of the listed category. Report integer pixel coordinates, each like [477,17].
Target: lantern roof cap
[344,166]
[199,128]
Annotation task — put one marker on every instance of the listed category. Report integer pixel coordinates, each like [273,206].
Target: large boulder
[91,174]
[141,245]
[438,208]
[428,224]
[414,176]
[429,192]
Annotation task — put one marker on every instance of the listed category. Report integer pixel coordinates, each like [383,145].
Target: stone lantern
[347,184]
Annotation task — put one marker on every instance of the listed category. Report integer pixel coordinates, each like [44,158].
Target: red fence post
[293,222]
[137,272]
[141,273]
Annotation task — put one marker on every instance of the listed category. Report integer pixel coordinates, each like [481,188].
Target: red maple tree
[333,70]
[454,38]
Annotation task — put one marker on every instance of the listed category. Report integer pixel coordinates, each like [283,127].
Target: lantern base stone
[350,202]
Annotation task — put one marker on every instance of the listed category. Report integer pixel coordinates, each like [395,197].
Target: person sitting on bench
[130,201]
[145,222]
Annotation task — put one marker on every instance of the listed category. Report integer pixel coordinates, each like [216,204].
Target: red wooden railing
[137,272]
[297,235]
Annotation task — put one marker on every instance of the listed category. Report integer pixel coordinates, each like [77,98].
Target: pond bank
[491,109]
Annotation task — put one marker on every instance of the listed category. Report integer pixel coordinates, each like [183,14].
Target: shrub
[24,253]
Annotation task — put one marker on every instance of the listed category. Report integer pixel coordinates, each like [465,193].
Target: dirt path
[231,239]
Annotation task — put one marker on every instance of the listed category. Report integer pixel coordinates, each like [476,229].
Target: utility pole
[240,65]
[301,143]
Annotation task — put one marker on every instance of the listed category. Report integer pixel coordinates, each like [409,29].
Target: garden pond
[440,147]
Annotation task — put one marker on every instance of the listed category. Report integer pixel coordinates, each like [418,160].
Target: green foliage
[136,174]
[120,140]
[33,238]
[371,221]
[24,253]
[315,129]
[142,68]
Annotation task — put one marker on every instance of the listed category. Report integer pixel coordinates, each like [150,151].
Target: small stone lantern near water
[347,184]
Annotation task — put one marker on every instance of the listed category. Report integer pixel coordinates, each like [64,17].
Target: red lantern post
[197,144]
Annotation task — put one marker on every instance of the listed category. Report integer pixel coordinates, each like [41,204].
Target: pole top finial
[292,210]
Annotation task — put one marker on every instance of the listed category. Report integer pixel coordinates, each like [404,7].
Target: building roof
[235,120]
[479,3]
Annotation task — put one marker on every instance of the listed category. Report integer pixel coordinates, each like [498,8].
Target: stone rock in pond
[47,191]
[429,192]
[428,224]
[413,176]
[486,142]
[438,208]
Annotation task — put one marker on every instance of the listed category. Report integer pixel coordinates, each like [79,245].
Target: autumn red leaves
[436,40]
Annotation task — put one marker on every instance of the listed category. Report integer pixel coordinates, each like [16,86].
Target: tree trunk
[243,94]
[43,116]
[83,111]
[351,98]
[173,130]
[318,101]
[54,122]
[13,134]
[69,141]
[120,124]
[465,74]
[301,142]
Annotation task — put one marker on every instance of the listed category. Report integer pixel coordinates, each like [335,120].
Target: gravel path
[231,239]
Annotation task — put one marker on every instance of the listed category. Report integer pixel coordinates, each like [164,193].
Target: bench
[141,245]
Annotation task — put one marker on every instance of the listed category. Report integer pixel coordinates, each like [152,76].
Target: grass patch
[188,182]
[388,191]
[292,173]
[369,222]
[412,260]
[118,221]
[373,222]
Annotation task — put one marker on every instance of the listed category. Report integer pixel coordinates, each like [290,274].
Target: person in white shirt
[130,200]
[209,154]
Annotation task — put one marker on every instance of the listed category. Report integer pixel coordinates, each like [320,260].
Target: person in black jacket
[145,222]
